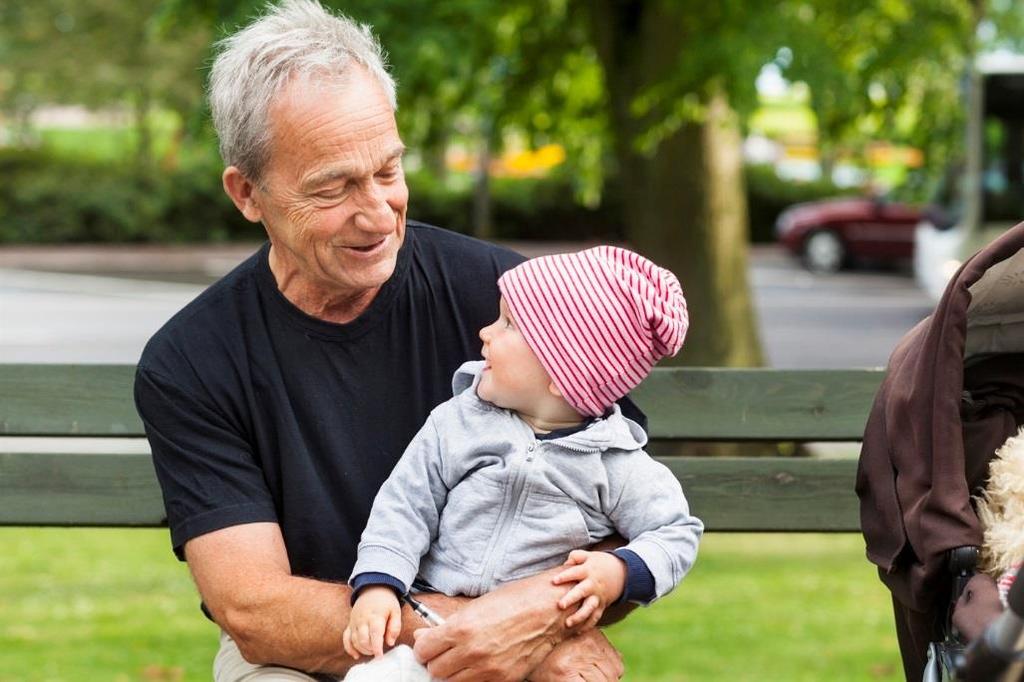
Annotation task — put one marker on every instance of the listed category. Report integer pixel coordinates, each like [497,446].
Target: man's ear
[241,190]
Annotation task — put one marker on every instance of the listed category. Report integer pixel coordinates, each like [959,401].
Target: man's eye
[331,195]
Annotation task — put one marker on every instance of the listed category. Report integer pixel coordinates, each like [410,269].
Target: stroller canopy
[954,392]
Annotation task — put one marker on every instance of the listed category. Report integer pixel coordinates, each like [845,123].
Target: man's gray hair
[295,38]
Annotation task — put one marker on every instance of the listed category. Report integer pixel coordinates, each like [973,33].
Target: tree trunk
[483,219]
[685,204]
[435,149]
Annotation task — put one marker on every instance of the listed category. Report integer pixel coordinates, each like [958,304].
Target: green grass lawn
[90,604]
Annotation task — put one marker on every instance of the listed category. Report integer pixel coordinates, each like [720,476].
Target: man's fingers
[464,675]
[570,575]
[431,643]
[579,591]
[449,664]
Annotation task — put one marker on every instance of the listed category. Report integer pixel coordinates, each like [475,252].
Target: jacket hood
[613,431]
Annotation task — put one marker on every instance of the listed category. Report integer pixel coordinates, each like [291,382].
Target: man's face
[513,376]
[333,196]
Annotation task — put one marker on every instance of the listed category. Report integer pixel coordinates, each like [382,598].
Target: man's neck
[315,299]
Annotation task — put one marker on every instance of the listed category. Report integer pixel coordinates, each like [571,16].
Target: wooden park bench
[73,453]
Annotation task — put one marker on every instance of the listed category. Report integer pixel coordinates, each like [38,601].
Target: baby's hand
[600,578]
[376,618]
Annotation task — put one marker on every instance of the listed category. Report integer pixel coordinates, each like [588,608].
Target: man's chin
[366,275]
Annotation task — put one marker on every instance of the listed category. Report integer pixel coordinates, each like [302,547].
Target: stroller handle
[993,652]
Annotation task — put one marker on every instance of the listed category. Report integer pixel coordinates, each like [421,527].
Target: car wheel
[824,251]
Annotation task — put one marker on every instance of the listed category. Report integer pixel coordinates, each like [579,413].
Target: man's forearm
[290,621]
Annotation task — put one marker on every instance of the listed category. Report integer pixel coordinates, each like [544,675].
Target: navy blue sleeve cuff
[639,579]
[364,580]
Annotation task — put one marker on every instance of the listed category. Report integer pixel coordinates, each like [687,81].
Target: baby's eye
[508,323]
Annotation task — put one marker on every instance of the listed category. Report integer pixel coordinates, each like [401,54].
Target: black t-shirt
[256,411]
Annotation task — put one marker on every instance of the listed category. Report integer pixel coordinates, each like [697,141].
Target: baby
[532,459]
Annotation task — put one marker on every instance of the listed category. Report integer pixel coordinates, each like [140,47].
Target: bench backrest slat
[758,404]
[698,404]
[729,494]
[68,400]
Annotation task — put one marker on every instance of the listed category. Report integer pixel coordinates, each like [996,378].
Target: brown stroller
[953,394]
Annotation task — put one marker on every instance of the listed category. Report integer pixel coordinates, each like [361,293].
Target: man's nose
[374,214]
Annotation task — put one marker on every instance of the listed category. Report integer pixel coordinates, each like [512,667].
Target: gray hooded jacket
[477,500]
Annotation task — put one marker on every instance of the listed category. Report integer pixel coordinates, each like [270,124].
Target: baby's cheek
[483,388]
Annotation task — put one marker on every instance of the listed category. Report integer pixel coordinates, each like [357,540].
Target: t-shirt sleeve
[206,468]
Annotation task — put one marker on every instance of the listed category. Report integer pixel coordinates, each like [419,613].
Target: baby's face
[513,377]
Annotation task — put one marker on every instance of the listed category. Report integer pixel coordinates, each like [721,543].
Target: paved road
[847,320]
[850,319]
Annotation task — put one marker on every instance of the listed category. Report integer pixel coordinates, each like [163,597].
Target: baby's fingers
[570,575]
[577,556]
[346,641]
[579,591]
[394,628]
[587,610]
[361,639]
[377,637]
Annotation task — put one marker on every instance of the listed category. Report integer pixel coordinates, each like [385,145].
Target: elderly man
[278,401]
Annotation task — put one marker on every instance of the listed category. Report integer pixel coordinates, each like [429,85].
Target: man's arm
[245,580]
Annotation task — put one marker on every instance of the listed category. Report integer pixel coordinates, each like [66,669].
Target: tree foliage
[647,97]
[98,53]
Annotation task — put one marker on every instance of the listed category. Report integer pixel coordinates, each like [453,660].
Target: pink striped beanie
[598,320]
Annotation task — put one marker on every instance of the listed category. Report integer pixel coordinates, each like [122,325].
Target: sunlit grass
[768,607]
[92,604]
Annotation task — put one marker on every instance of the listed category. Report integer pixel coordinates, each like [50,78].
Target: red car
[829,234]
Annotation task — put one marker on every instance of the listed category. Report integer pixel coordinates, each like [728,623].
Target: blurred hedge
[768,195]
[47,198]
[51,198]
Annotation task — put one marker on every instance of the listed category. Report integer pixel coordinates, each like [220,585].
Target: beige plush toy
[1001,510]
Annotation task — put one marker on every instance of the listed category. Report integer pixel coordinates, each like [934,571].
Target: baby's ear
[553,390]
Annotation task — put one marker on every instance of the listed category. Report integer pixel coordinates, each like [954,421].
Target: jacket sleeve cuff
[639,579]
[364,580]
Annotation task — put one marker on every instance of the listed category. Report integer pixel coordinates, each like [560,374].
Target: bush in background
[47,197]
[523,208]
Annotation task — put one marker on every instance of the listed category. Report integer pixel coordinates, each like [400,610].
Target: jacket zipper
[507,517]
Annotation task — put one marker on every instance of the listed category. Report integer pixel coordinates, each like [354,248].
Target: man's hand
[588,657]
[376,619]
[600,578]
[500,637]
